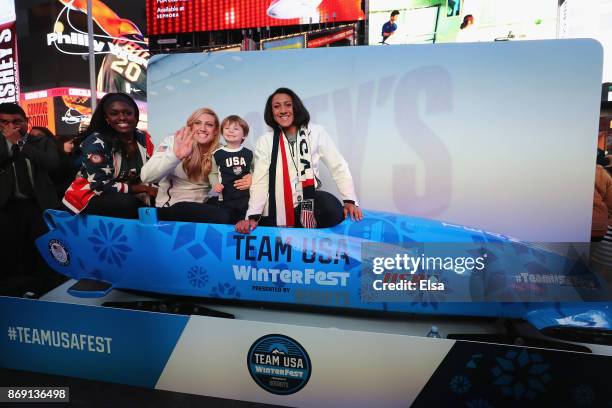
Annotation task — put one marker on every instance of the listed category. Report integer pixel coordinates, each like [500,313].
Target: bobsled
[353,266]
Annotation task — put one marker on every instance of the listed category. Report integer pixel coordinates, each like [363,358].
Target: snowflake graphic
[460,384]
[109,243]
[583,395]
[225,290]
[197,277]
[521,374]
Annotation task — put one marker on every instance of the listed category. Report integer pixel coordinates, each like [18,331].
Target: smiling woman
[182,165]
[113,153]
[286,180]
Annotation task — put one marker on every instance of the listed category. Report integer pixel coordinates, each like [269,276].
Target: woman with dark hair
[113,152]
[286,176]
[69,164]
[182,165]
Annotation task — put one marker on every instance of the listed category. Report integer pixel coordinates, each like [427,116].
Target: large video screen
[413,26]
[53,45]
[441,21]
[166,17]
[294,42]
[589,19]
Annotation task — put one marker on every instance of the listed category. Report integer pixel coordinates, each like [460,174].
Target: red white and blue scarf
[281,188]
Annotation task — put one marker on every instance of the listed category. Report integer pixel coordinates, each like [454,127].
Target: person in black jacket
[25,191]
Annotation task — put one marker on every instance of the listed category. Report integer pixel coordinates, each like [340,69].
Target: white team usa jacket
[323,149]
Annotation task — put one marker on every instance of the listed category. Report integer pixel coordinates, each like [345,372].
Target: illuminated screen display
[284,43]
[443,21]
[589,19]
[9,74]
[62,110]
[325,38]
[58,36]
[181,16]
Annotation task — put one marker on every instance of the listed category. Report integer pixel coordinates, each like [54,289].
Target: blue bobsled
[331,267]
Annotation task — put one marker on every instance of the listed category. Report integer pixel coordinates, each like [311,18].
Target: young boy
[233,162]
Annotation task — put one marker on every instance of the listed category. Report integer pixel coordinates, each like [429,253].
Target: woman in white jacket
[182,165]
[286,172]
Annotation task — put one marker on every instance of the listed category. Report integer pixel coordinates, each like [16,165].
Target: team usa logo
[279,364]
[59,252]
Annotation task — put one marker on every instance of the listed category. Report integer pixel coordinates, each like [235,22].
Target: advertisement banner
[293,365]
[9,67]
[71,110]
[421,22]
[230,48]
[414,24]
[58,36]
[61,110]
[298,41]
[87,342]
[40,111]
[326,38]
[589,19]
[165,17]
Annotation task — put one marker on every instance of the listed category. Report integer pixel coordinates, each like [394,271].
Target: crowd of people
[202,173]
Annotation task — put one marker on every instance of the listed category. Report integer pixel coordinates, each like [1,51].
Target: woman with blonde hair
[181,165]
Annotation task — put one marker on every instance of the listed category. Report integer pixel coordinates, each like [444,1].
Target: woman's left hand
[353,211]
[244,183]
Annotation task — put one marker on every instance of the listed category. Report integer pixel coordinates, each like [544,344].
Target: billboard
[56,33]
[589,19]
[61,110]
[229,48]
[167,17]
[9,65]
[328,37]
[40,112]
[286,43]
[443,21]
[419,126]
[414,25]
[440,21]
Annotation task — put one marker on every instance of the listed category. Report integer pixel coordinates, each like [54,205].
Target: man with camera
[25,191]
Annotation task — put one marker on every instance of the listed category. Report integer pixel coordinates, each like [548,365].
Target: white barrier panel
[498,136]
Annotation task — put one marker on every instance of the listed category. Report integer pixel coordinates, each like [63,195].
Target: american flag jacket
[99,173]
